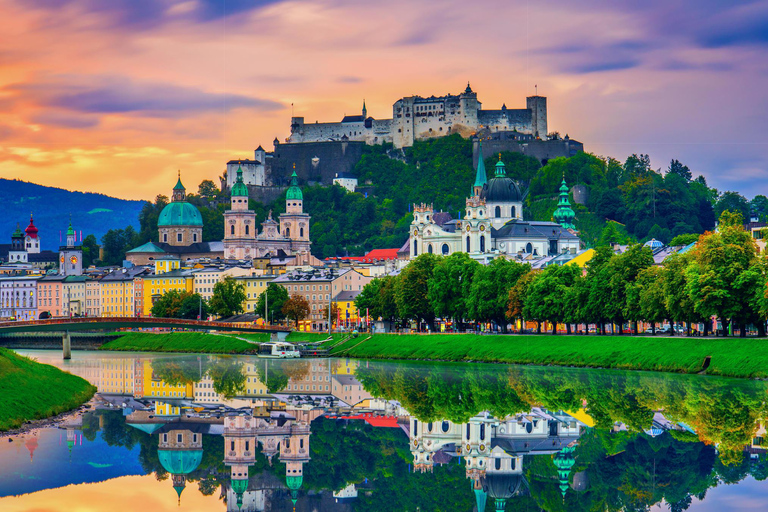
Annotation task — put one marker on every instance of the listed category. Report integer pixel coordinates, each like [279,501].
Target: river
[238,433]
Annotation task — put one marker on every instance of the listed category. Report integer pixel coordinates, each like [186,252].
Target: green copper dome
[70,230]
[240,485]
[501,170]
[180,213]
[180,462]
[18,233]
[480,176]
[294,192]
[294,482]
[480,498]
[239,189]
[564,214]
[178,185]
[564,461]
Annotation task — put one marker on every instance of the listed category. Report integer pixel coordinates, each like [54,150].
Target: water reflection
[337,435]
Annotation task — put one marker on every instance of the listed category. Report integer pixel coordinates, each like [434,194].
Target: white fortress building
[418,118]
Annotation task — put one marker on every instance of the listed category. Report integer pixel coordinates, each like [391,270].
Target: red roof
[371,257]
[375,421]
[31,230]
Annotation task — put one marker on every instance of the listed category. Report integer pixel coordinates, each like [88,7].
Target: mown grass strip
[30,390]
[180,342]
[734,357]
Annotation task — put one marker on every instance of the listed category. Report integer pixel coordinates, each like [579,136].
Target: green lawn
[31,390]
[735,357]
[183,342]
[298,337]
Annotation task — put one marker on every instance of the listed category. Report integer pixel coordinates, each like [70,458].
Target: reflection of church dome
[180,462]
[180,214]
[294,482]
[501,487]
[239,486]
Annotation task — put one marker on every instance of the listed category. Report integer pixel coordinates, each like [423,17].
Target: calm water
[192,433]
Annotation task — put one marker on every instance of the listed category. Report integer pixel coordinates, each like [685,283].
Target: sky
[116,96]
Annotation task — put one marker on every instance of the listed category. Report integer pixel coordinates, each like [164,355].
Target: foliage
[180,304]
[228,297]
[449,286]
[116,242]
[90,251]
[273,299]
[296,308]
[378,298]
[228,376]
[684,239]
[490,287]
[412,288]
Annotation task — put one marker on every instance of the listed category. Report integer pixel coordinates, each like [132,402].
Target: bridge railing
[150,321]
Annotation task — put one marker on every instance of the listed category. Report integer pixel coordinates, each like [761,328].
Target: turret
[480,176]
[564,214]
[365,111]
[179,192]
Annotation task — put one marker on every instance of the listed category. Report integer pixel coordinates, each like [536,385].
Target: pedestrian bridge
[115,322]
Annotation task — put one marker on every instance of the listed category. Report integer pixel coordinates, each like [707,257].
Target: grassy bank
[181,342]
[32,391]
[734,357]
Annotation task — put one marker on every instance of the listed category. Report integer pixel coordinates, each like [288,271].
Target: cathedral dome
[180,214]
[180,462]
[500,190]
[240,485]
[239,189]
[294,192]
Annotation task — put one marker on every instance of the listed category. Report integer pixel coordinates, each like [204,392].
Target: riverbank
[31,390]
[186,342]
[732,357]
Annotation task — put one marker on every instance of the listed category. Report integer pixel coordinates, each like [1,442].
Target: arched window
[498,212]
[468,245]
[482,431]
[232,229]
[528,248]
[513,213]
[445,249]
[498,463]
[429,248]
[287,231]
[467,431]
[446,426]
[482,243]
[415,248]
[247,228]
[429,427]
[165,237]
[301,232]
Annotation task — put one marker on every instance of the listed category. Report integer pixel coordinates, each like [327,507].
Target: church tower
[17,254]
[239,223]
[31,237]
[294,223]
[294,452]
[239,452]
[564,214]
[481,178]
[71,255]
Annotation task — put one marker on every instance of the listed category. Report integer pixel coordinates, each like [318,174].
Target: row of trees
[723,277]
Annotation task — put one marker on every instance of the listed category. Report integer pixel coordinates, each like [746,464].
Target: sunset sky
[115,96]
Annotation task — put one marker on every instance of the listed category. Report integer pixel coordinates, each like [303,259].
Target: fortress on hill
[417,118]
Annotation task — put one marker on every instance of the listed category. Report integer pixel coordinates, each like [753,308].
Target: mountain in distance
[51,207]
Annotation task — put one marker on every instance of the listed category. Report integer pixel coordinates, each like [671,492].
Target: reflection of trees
[275,373]
[722,411]
[178,371]
[228,376]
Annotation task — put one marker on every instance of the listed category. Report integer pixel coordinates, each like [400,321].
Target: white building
[18,297]
[254,172]
[346,180]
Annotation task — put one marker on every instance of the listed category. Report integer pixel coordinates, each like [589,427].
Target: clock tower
[71,255]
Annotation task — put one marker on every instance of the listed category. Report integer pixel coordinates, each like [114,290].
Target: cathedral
[180,229]
[493,223]
[290,233]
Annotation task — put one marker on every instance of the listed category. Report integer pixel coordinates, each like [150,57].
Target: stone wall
[316,162]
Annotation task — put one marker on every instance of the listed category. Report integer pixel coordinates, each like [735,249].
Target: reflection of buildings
[493,449]
[180,451]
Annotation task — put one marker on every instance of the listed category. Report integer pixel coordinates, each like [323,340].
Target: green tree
[208,190]
[228,297]
[296,308]
[733,202]
[647,291]
[489,293]
[613,233]
[378,298]
[684,239]
[116,242]
[90,251]
[148,217]
[412,289]
[675,167]
[228,376]
[546,297]
[715,280]
[180,304]
[450,284]
[273,299]
[624,269]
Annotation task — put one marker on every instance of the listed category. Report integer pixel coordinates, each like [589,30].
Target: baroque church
[180,229]
[493,223]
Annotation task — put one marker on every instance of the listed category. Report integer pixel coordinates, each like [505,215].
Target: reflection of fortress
[493,449]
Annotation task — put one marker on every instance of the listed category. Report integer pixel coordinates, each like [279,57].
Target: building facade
[18,297]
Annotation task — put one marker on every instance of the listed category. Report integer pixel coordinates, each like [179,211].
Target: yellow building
[207,277]
[158,284]
[348,314]
[155,387]
[117,376]
[117,295]
[255,285]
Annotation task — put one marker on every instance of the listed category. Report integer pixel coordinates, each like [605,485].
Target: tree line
[722,277]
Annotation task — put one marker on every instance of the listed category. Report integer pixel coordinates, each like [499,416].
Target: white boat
[278,350]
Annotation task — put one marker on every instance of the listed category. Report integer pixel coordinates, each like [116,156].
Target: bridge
[66,325]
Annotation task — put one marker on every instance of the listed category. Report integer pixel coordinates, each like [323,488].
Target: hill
[91,213]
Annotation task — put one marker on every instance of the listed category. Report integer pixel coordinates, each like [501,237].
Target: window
[445,250]
[178,237]
[468,245]
[498,212]
[179,438]
[429,248]
[194,237]
[513,213]
[498,463]
[482,243]
[301,232]
[232,229]
[528,248]
[415,248]
[247,229]
[165,237]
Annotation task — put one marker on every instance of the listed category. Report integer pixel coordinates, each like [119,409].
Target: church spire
[365,111]
[480,176]
[564,214]
[501,170]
